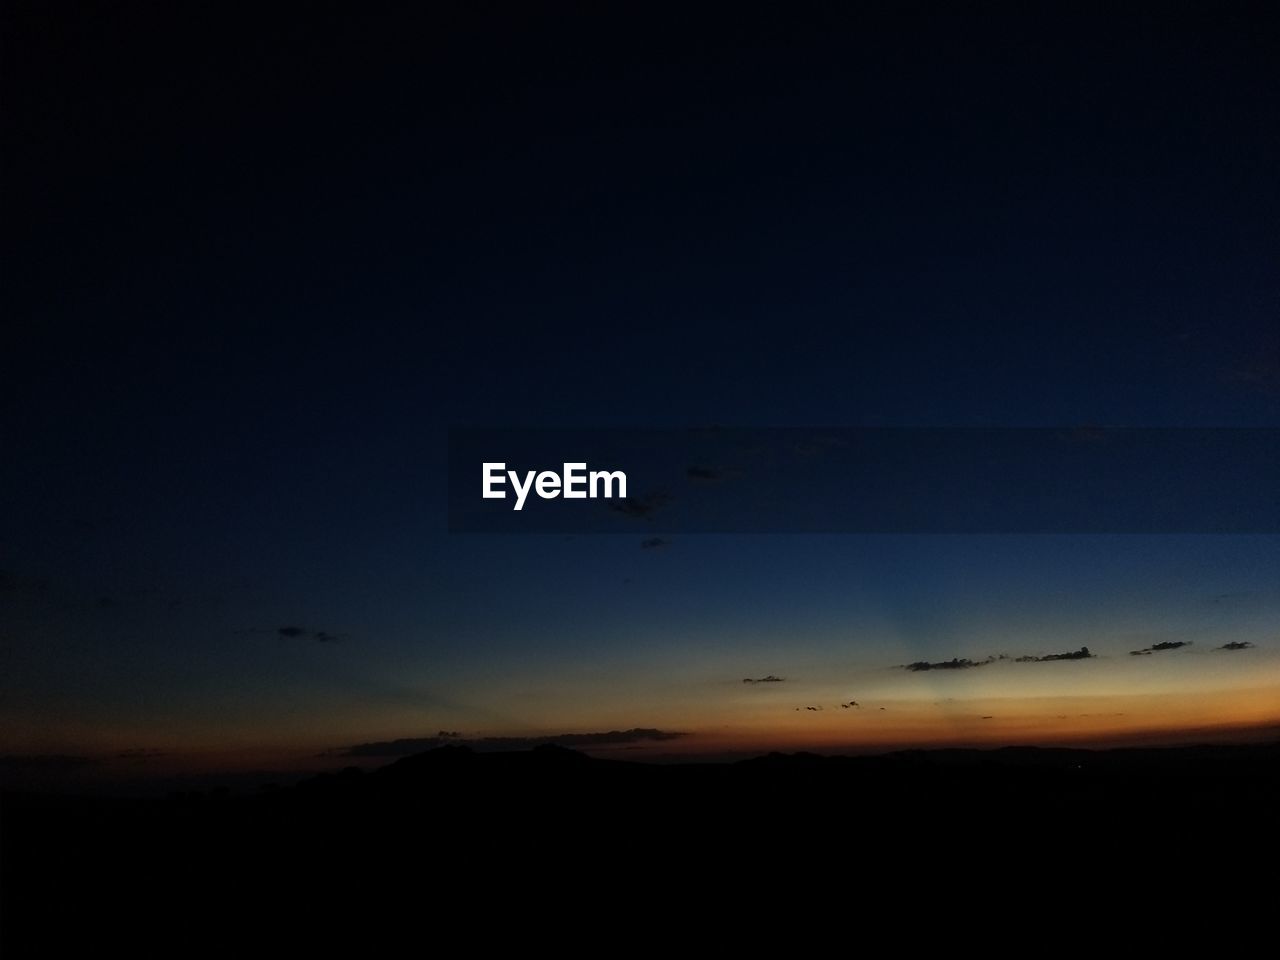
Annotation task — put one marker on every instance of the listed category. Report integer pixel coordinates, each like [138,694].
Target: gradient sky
[255,270]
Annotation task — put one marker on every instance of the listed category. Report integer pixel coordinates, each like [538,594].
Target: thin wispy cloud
[306,633]
[410,745]
[1081,654]
[641,508]
[1232,595]
[955,663]
[704,474]
[1161,647]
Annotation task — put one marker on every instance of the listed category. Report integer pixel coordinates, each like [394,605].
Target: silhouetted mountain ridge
[464,819]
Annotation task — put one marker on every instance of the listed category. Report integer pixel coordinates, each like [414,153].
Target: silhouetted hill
[508,827]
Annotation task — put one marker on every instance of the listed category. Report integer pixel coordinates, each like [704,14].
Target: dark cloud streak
[407,746]
[1160,647]
[641,508]
[704,474]
[319,636]
[956,663]
[1081,654]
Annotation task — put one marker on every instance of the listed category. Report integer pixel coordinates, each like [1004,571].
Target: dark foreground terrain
[453,837]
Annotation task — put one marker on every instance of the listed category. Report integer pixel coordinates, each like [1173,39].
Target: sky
[258,267]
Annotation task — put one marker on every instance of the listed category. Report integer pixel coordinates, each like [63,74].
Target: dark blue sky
[257,265]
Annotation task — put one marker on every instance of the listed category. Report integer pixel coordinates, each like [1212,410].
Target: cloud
[1236,645]
[654,543]
[1232,595]
[1081,654]
[705,474]
[769,679]
[956,663]
[641,508]
[320,636]
[1160,647]
[405,747]
[963,663]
